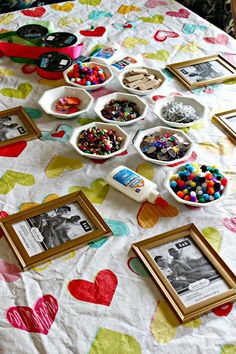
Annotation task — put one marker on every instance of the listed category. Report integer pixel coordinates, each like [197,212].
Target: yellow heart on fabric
[22,91]
[52,83]
[10,178]
[69,20]
[125,9]
[96,193]
[190,47]
[6,19]
[213,236]
[223,147]
[146,170]
[132,42]
[161,55]
[59,164]
[68,6]
[6,72]
[48,198]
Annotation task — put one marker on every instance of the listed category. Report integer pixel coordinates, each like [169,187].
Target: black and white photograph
[11,127]
[190,273]
[204,71]
[53,228]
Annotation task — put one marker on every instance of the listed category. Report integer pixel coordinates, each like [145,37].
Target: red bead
[187,197]
[224,181]
[210,183]
[191,176]
[210,191]
[208,176]
[180,194]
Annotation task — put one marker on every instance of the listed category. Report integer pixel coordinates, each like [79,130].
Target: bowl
[74,138]
[150,70]
[163,130]
[107,71]
[199,108]
[49,98]
[180,200]
[102,101]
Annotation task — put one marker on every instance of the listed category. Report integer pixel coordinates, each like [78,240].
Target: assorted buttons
[67,105]
[86,74]
[120,110]
[178,112]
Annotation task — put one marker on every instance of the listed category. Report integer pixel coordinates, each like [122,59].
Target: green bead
[201,200]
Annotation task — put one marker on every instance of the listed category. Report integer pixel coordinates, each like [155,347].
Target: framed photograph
[15,125]
[204,71]
[53,229]
[189,272]
[227,122]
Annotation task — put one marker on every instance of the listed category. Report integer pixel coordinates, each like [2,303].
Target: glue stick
[134,185]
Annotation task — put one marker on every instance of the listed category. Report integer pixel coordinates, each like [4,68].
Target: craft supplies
[67,105]
[141,79]
[107,55]
[134,185]
[33,32]
[52,64]
[178,112]
[127,61]
[198,183]
[86,74]
[120,110]
[164,147]
[99,141]
[60,39]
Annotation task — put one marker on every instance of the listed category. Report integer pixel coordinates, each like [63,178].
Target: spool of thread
[52,64]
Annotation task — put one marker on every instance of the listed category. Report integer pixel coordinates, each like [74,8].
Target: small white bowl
[199,108]
[182,201]
[74,139]
[155,72]
[102,101]
[164,130]
[50,97]
[107,71]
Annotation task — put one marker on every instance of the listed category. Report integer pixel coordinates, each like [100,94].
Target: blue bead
[206,196]
[204,189]
[173,184]
[216,195]
[88,83]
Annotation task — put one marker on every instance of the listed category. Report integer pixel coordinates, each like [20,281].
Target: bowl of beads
[141,80]
[162,145]
[179,111]
[99,140]
[65,102]
[120,108]
[196,185]
[89,76]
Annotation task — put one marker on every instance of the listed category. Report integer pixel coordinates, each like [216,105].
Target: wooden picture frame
[53,229]
[16,125]
[203,71]
[223,120]
[189,292]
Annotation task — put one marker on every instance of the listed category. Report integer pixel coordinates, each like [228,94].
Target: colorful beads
[205,184]
[86,74]
[120,110]
[98,141]
[67,105]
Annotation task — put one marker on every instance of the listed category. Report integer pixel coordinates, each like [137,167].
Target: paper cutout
[112,342]
[6,19]
[97,14]
[153,19]
[62,133]
[219,39]
[21,92]
[13,150]
[96,193]
[149,214]
[100,292]
[132,42]
[213,236]
[11,178]
[230,224]
[137,267]
[151,4]
[59,164]
[96,32]
[182,13]
[146,170]
[39,319]
[125,9]
[9,272]
[37,12]
[162,35]
[67,6]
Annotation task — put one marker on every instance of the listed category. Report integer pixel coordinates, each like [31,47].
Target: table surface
[138,318]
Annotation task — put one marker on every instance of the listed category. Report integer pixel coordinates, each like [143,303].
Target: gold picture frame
[189,292]
[16,125]
[53,229]
[203,71]
[223,120]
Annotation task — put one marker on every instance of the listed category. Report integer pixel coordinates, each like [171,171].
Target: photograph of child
[11,127]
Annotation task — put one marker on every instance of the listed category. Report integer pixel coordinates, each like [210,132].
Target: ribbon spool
[32,33]
[60,39]
[52,64]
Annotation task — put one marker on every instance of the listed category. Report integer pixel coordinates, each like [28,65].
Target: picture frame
[52,229]
[204,71]
[227,122]
[16,125]
[190,292]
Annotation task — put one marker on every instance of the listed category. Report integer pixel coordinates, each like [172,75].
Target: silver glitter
[178,112]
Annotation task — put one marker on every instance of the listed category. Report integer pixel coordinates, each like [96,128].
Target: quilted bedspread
[135,318]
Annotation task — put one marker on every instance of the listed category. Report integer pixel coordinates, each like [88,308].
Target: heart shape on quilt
[149,214]
[9,272]
[59,164]
[161,55]
[96,193]
[22,91]
[67,6]
[97,32]
[10,178]
[182,13]
[100,292]
[151,4]
[37,12]
[219,39]
[153,19]
[62,133]
[230,224]
[13,150]
[223,310]
[162,35]
[39,319]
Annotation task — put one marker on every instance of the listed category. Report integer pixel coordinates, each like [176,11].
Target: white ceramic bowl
[101,101]
[182,201]
[199,108]
[107,71]
[155,72]
[74,138]
[163,130]
[50,97]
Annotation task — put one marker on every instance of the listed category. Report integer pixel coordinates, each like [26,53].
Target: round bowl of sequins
[197,185]
[99,140]
[120,108]
[141,80]
[179,111]
[90,76]
[65,102]
[162,145]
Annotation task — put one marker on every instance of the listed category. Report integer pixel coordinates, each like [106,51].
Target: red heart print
[28,68]
[182,13]
[39,319]
[223,310]
[128,25]
[219,39]
[59,134]
[97,32]
[192,158]
[100,292]
[230,224]
[37,12]
[13,150]
[157,97]
[162,35]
